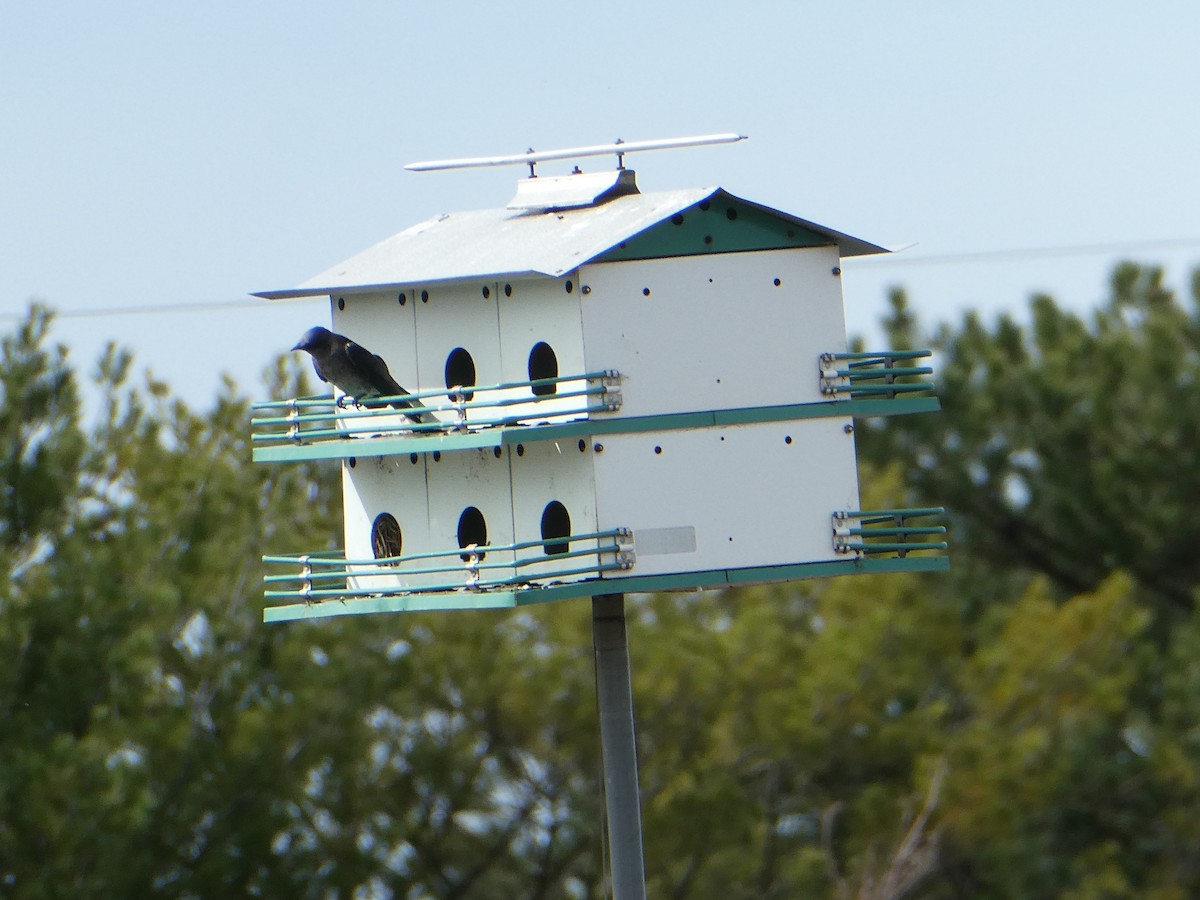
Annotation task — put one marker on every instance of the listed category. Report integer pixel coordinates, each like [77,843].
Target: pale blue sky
[160,153]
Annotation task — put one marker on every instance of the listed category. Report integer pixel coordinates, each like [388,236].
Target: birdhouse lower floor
[654,510]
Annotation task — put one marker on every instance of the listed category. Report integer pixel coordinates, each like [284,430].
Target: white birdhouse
[629,392]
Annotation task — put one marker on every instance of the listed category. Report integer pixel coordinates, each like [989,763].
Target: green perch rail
[876,531]
[874,373]
[306,419]
[325,576]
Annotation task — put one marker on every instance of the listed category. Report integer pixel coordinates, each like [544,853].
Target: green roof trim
[719,224]
[508,599]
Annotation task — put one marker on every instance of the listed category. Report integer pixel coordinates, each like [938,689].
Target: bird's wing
[373,370]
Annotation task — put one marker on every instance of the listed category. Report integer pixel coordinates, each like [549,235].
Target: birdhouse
[605,390]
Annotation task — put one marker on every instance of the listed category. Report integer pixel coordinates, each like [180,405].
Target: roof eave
[470,255]
[847,244]
[330,289]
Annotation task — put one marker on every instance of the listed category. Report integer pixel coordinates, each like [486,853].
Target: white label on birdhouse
[665,541]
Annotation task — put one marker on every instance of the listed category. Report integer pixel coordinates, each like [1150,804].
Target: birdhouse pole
[622,796]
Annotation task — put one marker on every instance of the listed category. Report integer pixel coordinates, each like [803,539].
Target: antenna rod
[618,148]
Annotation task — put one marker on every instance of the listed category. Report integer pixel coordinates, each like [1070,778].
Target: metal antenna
[618,148]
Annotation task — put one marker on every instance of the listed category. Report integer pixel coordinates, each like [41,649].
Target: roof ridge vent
[573,191]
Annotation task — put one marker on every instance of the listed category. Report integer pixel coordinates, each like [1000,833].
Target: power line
[160,308]
[881,261]
[1023,253]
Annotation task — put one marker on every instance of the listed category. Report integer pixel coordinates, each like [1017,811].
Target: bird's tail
[420,418]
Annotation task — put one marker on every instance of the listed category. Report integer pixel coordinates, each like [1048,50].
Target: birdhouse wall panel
[732,497]
[385,484]
[471,480]
[722,331]
[554,494]
[458,337]
[382,325]
[541,336]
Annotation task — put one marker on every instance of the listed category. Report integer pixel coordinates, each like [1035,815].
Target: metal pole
[621,793]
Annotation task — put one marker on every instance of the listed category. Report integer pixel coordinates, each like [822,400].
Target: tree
[159,740]
[1066,453]
[1024,726]
[1067,449]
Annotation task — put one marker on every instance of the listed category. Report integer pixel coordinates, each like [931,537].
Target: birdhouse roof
[491,243]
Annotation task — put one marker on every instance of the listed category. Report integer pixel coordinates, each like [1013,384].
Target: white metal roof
[507,242]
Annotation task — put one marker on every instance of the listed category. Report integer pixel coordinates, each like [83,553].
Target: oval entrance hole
[386,538]
[472,529]
[460,371]
[556,523]
[543,364]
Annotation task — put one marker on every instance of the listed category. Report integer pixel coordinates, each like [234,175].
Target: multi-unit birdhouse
[625,391]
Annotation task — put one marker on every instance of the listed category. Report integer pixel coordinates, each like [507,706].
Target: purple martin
[354,370]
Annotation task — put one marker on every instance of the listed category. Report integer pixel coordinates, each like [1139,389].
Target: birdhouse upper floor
[628,314]
[685,333]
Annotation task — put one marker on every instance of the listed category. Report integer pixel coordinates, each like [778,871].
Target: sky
[161,161]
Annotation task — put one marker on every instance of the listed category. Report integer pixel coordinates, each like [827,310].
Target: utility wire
[889,260]
[161,308]
[874,262]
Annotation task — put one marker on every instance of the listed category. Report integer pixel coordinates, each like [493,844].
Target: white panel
[542,311]
[714,332]
[385,327]
[746,495]
[547,471]
[391,484]
[452,316]
[463,479]
[571,191]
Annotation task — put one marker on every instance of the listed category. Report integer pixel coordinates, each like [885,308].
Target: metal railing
[865,532]
[312,419]
[330,575]
[874,374]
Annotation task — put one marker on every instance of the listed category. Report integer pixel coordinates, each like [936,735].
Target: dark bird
[353,369]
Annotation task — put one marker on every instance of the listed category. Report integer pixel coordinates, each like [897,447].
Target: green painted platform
[486,438]
[510,598]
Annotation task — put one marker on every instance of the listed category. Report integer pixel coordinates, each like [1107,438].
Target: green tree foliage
[1067,455]
[156,739]
[41,441]
[1024,726]
[1068,448]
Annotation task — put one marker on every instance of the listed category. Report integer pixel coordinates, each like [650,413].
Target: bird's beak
[299,346]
